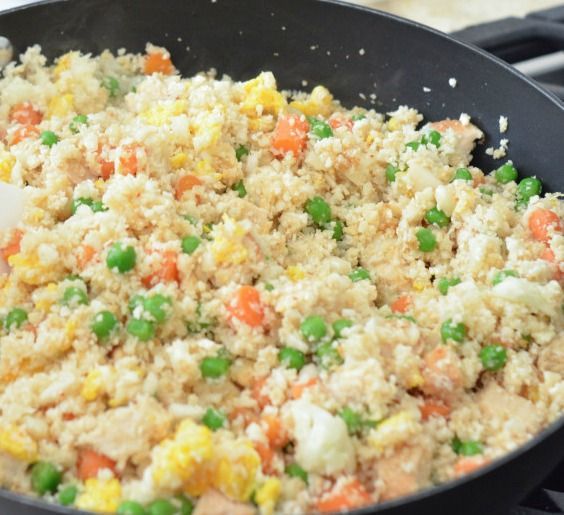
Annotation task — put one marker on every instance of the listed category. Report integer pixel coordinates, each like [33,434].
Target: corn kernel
[93,386]
[60,105]
[267,495]
[419,285]
[295,273]
[100,495]
[178,160]
[17,444]
[7,162]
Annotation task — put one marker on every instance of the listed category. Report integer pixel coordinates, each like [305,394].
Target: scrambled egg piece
[393,430]
[7,162]
[100,495]
[295,273]
[267,495]
[160,114]
[207,128]
[93,385]
[319,103]
[262,97]
[178,160]
[60,105]
[17,444]
[227,247]
[237,464]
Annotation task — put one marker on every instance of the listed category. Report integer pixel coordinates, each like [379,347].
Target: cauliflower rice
[226,296]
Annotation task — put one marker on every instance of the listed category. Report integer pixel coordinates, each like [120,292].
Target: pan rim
[412,499]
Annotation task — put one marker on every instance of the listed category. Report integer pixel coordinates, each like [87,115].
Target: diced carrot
[274,431]
[548,255]
[158,62]
[90,463]
[401,304]
[24,132]
[341,121]
[290,135]
[351,495]
[432,408]
[129,159]
[13,246]
[246,306]
[441,373]
[25,114]
[107,168]
[258,394]
[167,271]
[468,464]
[247,414]
[185,183]
[67,415]
[267,455]
[85,255]
[540,221]
[297,390]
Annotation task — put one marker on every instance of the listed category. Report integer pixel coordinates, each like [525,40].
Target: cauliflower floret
[536,297]
[323,443]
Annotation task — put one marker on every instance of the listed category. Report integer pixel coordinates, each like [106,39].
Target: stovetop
[535,46]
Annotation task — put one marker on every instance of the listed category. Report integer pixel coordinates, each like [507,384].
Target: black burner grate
[536,40]
[536,43]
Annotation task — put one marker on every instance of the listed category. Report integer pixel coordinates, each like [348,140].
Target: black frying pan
[322,44]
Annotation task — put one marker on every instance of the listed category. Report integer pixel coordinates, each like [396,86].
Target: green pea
[437,217]
[358,117]
[192,219]
[15,318]
[527,188]
[502,275]
[103,324]
[414,145]
[158,306]
[214,367]
[130,508]
[112,85]
[319,128]
[338,231]
[313,328]
[462,174]
[391,172]
[268,286]
[214,419]
[451,331]
[143,330]
[319,210]
[486,191]
[186,505]
[340,325]
[74,296]
[402,317]
[239,187]
[467,448]
[96,206]
[434,138]
[49,138]
[294,470]
[352,419]
[77,121]
[45,477]
[292,358]
[161,507]
[328,356]
[121,258]
[493,357]
[67,495]
[241,151]
[426,239]
[359,274]
[445,283]
[189,244]
[506,173]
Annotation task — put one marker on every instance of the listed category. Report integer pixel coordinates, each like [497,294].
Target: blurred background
[446,15]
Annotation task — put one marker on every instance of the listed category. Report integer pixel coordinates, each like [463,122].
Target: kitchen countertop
[447,15]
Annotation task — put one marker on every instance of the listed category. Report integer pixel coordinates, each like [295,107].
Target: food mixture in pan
[226,298]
